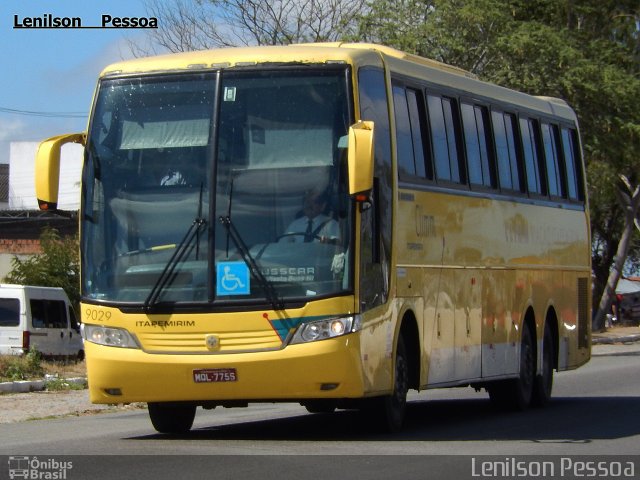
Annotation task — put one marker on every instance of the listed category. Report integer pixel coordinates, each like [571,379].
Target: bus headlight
[327,328]
[111,337]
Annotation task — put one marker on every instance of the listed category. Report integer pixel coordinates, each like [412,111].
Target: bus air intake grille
[196,343]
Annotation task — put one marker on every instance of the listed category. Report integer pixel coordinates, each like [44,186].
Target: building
[21,223]
[4,186]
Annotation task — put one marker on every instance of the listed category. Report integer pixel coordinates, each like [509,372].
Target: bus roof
[357,54]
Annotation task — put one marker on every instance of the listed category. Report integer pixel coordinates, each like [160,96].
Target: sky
[56,70]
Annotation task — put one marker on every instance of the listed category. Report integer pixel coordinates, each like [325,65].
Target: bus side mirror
[48,168]
[360,157]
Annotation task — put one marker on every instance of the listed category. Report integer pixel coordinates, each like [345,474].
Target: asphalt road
[595,412]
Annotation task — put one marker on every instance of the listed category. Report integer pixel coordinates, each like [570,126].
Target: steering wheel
[302,234]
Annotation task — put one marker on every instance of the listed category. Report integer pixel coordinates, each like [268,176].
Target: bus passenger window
[404,143]
[528,129]
[475,121]
[409,121]
[572,166]
[443,136]
[514,158]
[506,152]
[418,121]
[552,161]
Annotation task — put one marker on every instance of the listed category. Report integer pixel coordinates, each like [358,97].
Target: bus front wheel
[387,413]
[395,405]
[171,417]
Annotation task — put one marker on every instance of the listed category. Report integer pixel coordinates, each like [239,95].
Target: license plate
[211,375]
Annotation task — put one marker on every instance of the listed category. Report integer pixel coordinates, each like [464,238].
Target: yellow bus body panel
[295,372]
[470,267]
[174,346]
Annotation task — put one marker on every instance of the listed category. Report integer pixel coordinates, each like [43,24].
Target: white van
[39,318]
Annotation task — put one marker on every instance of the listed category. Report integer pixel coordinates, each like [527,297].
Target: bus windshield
[220,187]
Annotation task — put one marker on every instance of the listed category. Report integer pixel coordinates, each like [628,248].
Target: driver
[314,225]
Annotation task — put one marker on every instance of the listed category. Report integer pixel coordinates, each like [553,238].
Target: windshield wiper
[232,232]
[182,251]
[270,292]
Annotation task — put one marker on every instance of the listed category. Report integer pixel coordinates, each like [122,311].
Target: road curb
[616,339]
[26,386]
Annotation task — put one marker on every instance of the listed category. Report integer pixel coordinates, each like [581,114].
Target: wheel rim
[401,383]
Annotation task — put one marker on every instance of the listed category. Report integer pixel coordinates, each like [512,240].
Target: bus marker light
[329,386]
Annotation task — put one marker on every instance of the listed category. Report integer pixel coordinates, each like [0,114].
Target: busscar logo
[38,469]
[51,21]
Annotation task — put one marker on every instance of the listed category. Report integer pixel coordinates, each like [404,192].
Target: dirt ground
[19,407]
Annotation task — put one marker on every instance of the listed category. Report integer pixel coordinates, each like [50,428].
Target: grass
[21,367]
[57,384]
[33,366]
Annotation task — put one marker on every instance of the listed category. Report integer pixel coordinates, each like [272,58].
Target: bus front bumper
[324,369]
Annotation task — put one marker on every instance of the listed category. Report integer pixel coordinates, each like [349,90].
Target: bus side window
[572,164]
[476,126]
[404,142]
[409,115]
[417,115]
[509,171]
[530,148]
[552,160]
[445,138]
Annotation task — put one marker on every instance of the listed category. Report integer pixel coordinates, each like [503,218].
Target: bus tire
[543,383]
[171,417]
[319,406]
[516,394]
[388,412]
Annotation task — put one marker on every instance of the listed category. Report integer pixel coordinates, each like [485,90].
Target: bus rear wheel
[172,417]
[516,394]
[544,383]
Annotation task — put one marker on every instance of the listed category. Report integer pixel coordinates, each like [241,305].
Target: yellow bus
[329,224]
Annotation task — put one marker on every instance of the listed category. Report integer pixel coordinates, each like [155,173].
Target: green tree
[585,52]
[56,266]
[463,33]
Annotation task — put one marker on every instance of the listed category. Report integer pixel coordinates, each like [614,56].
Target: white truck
[40,318]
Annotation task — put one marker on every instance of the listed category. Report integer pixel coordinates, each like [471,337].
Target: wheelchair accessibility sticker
[232,278]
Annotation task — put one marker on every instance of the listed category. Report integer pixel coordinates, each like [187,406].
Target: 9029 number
[95,315]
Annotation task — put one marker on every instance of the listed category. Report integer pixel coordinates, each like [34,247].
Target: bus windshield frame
[198,189]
